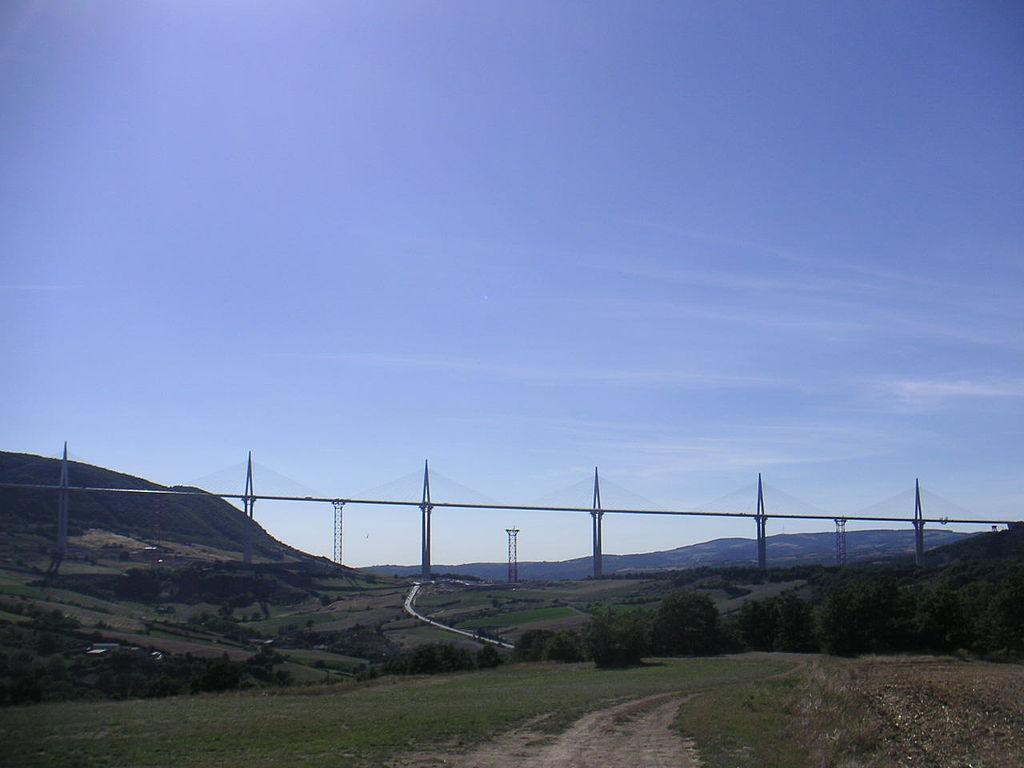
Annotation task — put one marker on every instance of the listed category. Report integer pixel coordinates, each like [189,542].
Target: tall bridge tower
[248,503]
[425,509]
[60,547]
[596,516]
[918,525]
[760,520]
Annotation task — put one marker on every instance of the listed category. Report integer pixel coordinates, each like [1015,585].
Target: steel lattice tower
[840,541]
[513,555]
[339,509]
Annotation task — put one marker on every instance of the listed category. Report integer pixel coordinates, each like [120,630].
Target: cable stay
[786,502]
[741,501]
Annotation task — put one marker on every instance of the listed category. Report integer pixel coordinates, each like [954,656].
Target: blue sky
[686,242]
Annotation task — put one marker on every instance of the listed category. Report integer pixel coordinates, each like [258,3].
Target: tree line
[971,608]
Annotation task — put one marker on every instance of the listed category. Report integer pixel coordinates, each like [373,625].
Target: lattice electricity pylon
[339,508]
[840,541]
[513,555]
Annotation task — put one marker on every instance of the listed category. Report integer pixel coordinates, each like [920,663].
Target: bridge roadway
[500,507]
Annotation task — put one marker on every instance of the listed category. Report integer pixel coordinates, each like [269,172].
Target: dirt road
[637,734]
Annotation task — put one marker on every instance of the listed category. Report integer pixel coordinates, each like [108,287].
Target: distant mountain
[783,549]
[209,521]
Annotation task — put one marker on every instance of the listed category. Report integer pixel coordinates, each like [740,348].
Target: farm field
[510,610]
[752,710]
[346,604]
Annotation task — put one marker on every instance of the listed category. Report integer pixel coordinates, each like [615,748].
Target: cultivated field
[510,610]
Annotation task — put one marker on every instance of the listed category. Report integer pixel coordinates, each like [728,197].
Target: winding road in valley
[410,608]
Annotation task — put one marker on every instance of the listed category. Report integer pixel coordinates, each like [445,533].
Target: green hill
[998,545]
[28,517]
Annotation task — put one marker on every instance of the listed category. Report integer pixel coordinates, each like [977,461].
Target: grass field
[517,618]
[751,711]
[361,725]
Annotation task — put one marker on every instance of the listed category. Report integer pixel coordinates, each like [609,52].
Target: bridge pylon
[918,525]
[760,520]
[248,504]
[596,516]
[425,509]
[60,545]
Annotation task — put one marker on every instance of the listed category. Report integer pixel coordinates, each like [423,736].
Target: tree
[757,625]
[530,645]
[488,657]
[794,624]
[618,639]
[219,675]
[686,624]
[942,623]
[1004,619]
[870,617]
[564,646]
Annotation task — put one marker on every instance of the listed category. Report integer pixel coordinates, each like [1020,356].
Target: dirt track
[637,734]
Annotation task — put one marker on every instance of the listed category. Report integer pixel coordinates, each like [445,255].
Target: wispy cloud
[534,373]
[733,281]
[830,316]
[667,457]
[870,276]
[644,450]
[926,393]
[820,323]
